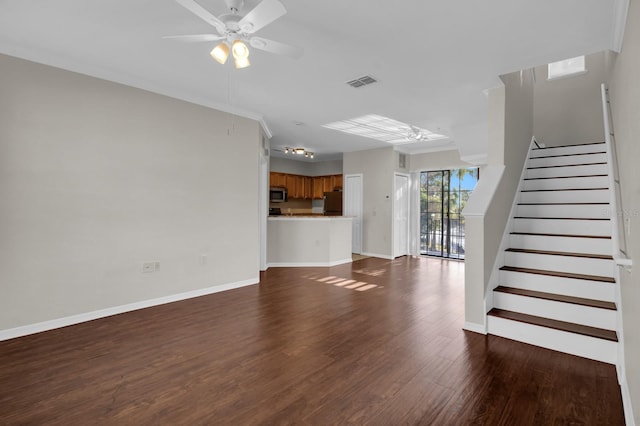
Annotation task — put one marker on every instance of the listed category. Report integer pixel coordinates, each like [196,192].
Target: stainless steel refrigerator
[333,203]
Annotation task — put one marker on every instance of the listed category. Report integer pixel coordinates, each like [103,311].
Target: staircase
[557,287]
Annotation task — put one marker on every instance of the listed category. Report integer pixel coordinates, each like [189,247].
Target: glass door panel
[443,195]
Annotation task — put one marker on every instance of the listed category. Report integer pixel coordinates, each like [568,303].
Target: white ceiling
[433,59]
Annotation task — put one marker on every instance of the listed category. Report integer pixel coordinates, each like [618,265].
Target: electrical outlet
[148,267]
[156,266]
[203,259]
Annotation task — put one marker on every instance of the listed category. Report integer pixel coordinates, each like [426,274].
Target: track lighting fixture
[299,151]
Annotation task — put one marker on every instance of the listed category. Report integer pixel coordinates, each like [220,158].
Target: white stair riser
[575,265]
[567,286]
[569,312]
[576,344]
[567,160]
[564,210]
[563,226]
[570,244]
[578,196]
[598,169]
[567,183]
[576,149]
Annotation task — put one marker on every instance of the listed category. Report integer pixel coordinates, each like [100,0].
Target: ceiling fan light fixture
[242,63]
[240,50]
[220,53]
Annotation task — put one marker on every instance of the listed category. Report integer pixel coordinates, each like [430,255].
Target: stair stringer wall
[494,280]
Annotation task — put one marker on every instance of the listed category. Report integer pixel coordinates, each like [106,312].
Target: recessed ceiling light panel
[384,129]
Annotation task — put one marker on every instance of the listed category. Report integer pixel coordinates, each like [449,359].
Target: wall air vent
[361,81]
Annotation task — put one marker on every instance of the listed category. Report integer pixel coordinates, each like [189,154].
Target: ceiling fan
[234,30]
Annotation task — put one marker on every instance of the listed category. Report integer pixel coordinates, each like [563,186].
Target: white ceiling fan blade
[276,47]
[262,15]
[195,38]
[203,14]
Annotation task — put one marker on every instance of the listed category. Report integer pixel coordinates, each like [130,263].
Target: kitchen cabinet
[327,183]
[292,186]
[305,187]
[278,180]
[308,187]
[318,188]
[336,182]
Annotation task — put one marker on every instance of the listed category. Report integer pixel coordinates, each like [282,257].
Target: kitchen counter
[308,240]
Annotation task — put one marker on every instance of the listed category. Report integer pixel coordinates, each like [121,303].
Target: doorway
[443,195]
[353,207]
[401,216]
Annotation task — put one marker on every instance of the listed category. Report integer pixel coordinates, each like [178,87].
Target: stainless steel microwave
[277,195]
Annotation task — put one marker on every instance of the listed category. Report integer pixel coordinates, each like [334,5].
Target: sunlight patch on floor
[345,283]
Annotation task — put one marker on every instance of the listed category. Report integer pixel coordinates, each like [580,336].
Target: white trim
[393,215]
[620,9]
[626,403]
[474,327]
[39,327]
[67,64]
[381,256]
[309,264]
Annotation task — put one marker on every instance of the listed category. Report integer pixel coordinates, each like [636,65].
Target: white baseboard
[309,264]
[381,256]
[626,403]
[476,328]
[25,330]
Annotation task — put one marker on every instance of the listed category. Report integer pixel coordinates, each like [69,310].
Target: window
[566,68]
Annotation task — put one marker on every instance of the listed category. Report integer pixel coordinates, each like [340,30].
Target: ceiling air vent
[361,81]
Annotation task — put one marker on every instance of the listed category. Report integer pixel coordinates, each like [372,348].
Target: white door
[401,216]
[353,208]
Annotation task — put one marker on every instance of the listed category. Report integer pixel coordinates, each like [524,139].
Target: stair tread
[564,204]
[558,274]
[570,327]
[561,235]
[564,189]
[567,165]
[566,177]
[561,218]
[568,155]
[593,303]
[561,253]
[569,146]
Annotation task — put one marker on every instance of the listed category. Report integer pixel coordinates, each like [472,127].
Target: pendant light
[240,54]
[220,53]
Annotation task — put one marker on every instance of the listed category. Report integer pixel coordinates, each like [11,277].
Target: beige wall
[441,160]
[487,211]
[625,104]
[568,110]
[306,168]
[518,119]
[97,177]
[377,167]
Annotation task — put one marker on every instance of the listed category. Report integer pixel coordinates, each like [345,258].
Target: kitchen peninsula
[308,240]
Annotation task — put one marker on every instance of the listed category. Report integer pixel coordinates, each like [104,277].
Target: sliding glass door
[443,195]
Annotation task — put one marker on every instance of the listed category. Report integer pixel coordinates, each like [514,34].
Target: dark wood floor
[375,342]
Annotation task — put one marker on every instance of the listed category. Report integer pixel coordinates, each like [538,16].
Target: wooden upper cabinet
[327,183]
[337,182]
[305,187]
[318,188]
[278,180]
[308,187]
[292,186]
